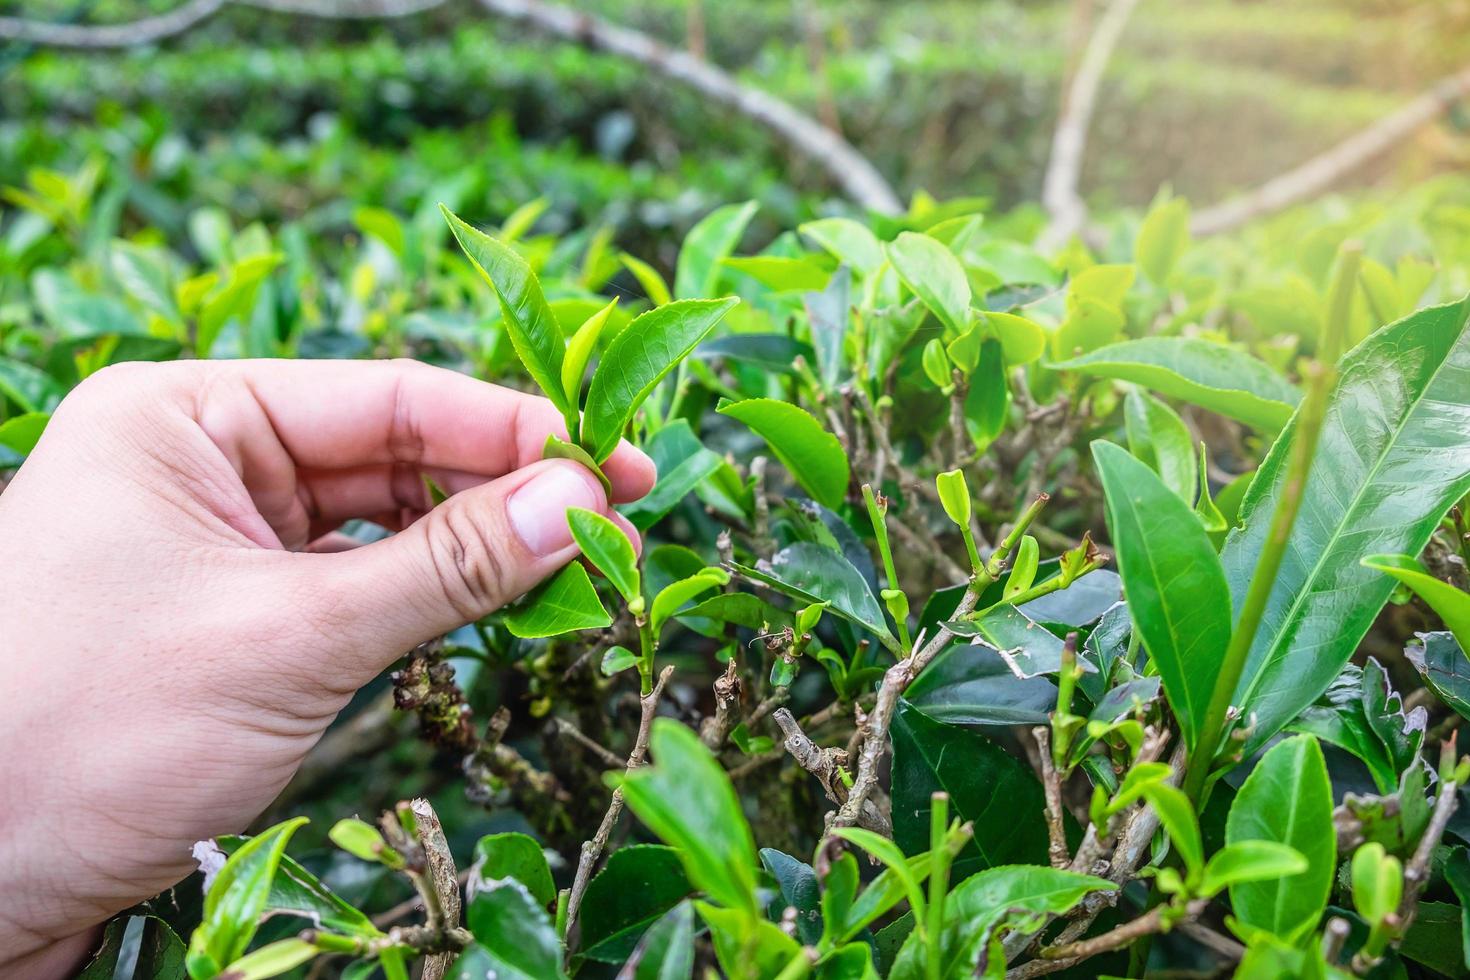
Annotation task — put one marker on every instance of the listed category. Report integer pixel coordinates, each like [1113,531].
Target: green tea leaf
[683,463]
[635,362]
[30,388]
[562,604]
[1176,589]
[933,274]
[1451,605]
[529,322]
[986,785]
[666,951]
[708,244]
[673,596]
[1022,340]
[1286,799]
[812,455]
[1457,874]
[1160,438]
[579,352]
[272,959]
[1445,667]
[973,685]
[236,898]
[1200,372]
[784,273]
[514,937]
[812,573]
[296,891]
[21,433]
[517,856]
[648,277]
[558,449]
[686,798]
[1162,239]
[799,891]
[1251,862]
[639,886]
[606,546]
[851,242]
[1378,488]
[1176,816]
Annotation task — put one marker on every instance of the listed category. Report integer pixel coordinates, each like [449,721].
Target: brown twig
[1060,957]
[828,766]
[716,728]
[1416,874]
[1052,786]
[604,755]
[592,849]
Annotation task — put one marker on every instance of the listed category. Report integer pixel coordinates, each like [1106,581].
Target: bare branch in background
[145,31]
[1060,193]
[1321,173]
[848,168]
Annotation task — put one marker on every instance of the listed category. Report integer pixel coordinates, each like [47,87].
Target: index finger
[339,414]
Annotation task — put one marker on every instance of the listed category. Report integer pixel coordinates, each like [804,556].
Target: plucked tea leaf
[565,603]
[1200,372]
[1176,589]
[812,455]
[635,362]
[606,546]
[1393,456]
[529,322]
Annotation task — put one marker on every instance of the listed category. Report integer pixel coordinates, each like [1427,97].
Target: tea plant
[1033,610]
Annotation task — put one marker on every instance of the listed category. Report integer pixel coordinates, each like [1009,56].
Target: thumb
[469,556]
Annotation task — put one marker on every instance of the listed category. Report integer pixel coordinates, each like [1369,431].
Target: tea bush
[1001,612]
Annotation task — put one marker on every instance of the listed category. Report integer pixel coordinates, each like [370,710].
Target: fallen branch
[1322,172]
[1060,193]
[592,849]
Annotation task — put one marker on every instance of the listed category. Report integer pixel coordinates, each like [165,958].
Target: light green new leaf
[635,362]
[783,273]
[648,277]
[146,276]
[1251,862]
[1022,340]
[579,352]
[708,244]
[529,322]
[1452,605]
[272,960]
[1393,457]
[893,859]
[1176,590]
[1159,437]
[1200,372]
[20,434]
[686,798]
[565,603]
[607,547]
[1286,799]
[1210,517]
[851,242]
[1176,816]
[560,449]
[932,273]
[1162,239]
[812,455]
[674,595]
[236,898]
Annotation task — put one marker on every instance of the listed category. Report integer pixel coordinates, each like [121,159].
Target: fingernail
[538,510]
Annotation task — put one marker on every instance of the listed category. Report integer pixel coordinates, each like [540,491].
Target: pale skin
[181,624]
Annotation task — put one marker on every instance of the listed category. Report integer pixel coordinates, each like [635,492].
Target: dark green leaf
[812,573]
[1445,667]
[1176,589]
[639,885]
[799,891]
[986,785]
[635,362]
[513,855]
[514,938]
[1200,372]
[812,455]
[666,951]
[827,316]
[682,461]
[1457,874]
[562,604]
[972,685]
[1393,456]
[772,351]
[31,389]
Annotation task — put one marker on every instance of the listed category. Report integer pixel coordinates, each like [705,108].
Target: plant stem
[646,647]
[996,564]
[1293,488]
[938,884]
[877,514]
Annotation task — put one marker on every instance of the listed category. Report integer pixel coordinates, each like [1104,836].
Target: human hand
[173,650]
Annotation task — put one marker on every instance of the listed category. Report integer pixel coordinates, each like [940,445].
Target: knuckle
[468,566]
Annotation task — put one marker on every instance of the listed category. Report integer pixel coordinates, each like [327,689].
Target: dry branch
[1319,174]
[1060,193]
